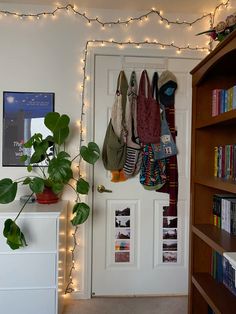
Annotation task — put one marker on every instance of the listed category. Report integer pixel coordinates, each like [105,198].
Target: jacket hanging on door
[167,85]
[114,146]
[133,149]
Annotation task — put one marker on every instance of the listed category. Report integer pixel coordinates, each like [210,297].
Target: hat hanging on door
[167,85]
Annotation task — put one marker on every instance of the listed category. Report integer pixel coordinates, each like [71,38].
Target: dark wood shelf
[222,119]
[216,71]
[217,183]
[220,299]
[218,239]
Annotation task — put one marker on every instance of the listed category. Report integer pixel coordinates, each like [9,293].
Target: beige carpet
[150,305]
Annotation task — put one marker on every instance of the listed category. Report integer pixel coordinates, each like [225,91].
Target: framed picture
[23,115]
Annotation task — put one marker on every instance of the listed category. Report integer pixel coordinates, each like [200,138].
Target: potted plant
[55,173]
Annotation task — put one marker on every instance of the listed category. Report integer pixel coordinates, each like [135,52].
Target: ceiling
[184,6]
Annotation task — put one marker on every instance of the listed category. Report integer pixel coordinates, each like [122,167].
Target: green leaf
[7,226]
[82,186]
[91,153]
[8,190]
[37,137]
[37,185]
[40,151]
[58,124]
[50,140]
[57,187]
[27,180]
[59,168]
[23,158]
[29,168]
[81,211]
[15,238]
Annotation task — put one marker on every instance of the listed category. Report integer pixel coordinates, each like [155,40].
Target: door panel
[137,250]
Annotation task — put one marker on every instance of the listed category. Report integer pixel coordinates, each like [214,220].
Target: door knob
[101,189]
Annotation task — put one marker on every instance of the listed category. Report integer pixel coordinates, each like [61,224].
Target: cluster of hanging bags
[121,153]
[138,138]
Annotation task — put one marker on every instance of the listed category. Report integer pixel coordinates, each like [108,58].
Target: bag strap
[119,81]
[155,85]
[142,85]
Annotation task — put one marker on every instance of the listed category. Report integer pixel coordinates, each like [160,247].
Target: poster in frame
[23,115]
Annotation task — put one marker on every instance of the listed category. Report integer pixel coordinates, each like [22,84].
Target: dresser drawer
[27,270]
[40,234]
[28,301]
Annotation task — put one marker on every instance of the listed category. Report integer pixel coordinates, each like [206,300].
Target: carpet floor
[138,305]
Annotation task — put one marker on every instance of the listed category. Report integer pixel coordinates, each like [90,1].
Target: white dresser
[32,279]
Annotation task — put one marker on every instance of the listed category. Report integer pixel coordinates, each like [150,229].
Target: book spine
[222,214]
[233,218]
[221,101]
[223,171]
[220,162]
[214,103]
[234,162]
[225,106]
[215,161]
[234,97]
[229,276]
[230,98]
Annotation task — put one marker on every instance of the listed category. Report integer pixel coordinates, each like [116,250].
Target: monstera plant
[55,167]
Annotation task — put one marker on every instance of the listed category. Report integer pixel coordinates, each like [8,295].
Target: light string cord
[70,7]
[69,288]
[138,44]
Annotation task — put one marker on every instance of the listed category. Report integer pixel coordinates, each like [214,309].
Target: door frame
[85,254]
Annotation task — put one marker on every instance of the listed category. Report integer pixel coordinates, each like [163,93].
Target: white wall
[44,55]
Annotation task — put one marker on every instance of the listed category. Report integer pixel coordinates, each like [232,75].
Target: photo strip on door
[169,237]
[122,235]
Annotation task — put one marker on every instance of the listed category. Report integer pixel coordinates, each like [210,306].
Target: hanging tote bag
[148,113]
[114,150]
[133,150]
[167,146]
[114,146]
[152,172]
[119,106]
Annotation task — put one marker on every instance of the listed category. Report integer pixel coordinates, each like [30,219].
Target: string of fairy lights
[69,8]
[143,17]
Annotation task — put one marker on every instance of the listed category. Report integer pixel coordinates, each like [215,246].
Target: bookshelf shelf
[217,183]
[216,71]
[221,300]
[222,119]
[220,240]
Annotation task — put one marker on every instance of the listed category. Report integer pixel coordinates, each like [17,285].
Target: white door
[133,254]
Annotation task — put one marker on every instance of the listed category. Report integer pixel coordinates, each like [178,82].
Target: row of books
[225,161]
[223,100]
[224,212]
[223,272]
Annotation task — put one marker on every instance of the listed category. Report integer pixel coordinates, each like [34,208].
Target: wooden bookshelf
[217,70]
[215,294]
[220,240]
